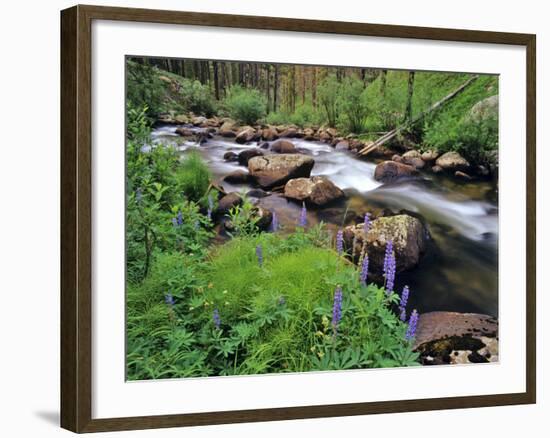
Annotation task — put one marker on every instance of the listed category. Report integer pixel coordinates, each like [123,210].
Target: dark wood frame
[76,218]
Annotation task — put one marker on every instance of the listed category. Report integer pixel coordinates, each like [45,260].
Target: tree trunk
[383,82]
[408,105]
[275,87]
[216,80]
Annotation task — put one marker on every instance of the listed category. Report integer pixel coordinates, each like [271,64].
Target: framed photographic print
[268,219]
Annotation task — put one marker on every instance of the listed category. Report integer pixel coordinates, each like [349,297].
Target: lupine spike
[403,303]
[337,308]
[216,318]
[303,216]
[209,214]
[364,270]
[340,242]
[139,195]
[179,218]
[169,299]
[413,323]
[389,267]
[281,301]
[260,255]
[366,224]
[274,222]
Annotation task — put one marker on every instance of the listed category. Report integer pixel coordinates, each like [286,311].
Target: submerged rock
[317,190]
[407,234]
[275,170]
[230,156]
[391,171]
[185,132]
[451,337]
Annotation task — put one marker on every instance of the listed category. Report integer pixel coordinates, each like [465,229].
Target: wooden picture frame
[76,217]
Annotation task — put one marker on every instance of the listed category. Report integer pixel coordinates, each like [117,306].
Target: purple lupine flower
[411,329]
[274,222]
[366,223]
[387,255]
[175,221]
[303,216]
[340,242]
[389,267]
[403,314]
[364,270]
[390,275]
[139,195]
[403,303]
[260,255]
[281,301]
[337,308]
[216,318]
[179,218]
[169,299]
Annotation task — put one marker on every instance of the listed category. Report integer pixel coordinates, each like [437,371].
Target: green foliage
[144,89]
[273,318]
[163,92]
[244,218]
[193,177]
[327,93]
[196,97]
[247,105]
[351,100]
[159,187]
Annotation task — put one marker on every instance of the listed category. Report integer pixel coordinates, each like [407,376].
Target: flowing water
[459,269]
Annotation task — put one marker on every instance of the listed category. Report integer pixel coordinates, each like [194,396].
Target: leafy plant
[247,105]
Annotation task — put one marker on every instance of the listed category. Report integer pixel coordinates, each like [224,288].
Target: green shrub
[247,105]
[144,89]
[327,93]
[196,97]
[352,102]
[193,176]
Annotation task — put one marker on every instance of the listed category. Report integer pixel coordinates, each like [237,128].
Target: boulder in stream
[247,154]
[451,337]
[413,158]
[245,135]
[237,177]
[275,170]
[228,128]
[452,161]
[317,190]
[227,202]
[407,234]
[391,171]
[283,147]
[231,156]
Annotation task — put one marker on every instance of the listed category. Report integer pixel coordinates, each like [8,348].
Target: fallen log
[391,134]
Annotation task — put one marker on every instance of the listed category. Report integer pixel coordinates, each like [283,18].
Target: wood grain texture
[76,219]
